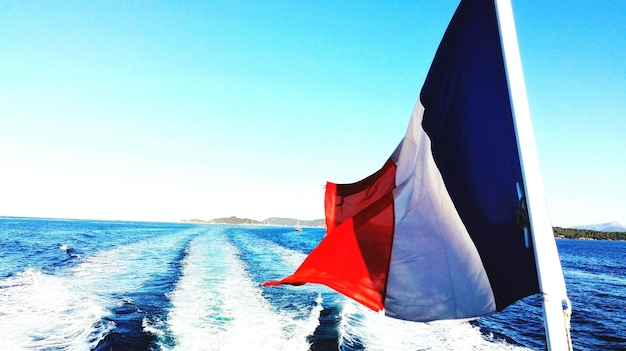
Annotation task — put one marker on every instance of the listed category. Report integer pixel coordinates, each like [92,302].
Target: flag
[434,233]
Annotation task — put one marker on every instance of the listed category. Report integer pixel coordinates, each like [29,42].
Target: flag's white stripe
[435,270]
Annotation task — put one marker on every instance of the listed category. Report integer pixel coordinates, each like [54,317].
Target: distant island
[588,234]
[559,232]
[275,221]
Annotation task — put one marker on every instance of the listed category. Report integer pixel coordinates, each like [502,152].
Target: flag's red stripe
[344,201]
[360,222]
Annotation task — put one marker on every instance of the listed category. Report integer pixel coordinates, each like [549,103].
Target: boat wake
[77,308]
[363,329]
[216,305]
[200,289]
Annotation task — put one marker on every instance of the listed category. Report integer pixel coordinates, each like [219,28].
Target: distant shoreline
[559,232]
[588,234]
[272,221]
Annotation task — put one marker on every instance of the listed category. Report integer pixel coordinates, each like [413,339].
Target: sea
[108,285]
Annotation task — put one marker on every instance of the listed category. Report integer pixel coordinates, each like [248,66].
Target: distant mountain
[571,233]
[604,227]
[225,220]
[294,221]
[278,221]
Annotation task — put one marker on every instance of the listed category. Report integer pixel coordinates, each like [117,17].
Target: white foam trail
[126,269]
[378,332]
[67,311]
[290,258]
[577,274]
[217,306]
[40,311]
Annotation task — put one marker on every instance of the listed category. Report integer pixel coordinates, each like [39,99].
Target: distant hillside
[294,221]
[567,233]
[604,227]
[226,220]
[278,221]
[571,233]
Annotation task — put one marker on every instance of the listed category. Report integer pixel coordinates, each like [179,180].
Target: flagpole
[549,270]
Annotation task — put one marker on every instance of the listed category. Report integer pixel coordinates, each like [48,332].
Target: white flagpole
[549,270]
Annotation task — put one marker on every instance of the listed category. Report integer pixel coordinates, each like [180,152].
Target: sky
[168,110]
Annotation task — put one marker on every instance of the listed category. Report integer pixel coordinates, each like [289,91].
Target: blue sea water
[102,285]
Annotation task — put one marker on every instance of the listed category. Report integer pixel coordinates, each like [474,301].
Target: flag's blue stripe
[469,121]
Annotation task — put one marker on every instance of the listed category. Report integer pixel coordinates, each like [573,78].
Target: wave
[75,308]
[361,328]
[216,305]
[596,277]
[42,311]
[199,289]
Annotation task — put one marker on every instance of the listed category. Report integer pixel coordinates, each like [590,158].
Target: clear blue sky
[167,110]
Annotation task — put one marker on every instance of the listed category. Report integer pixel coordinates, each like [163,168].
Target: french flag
[437,232]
